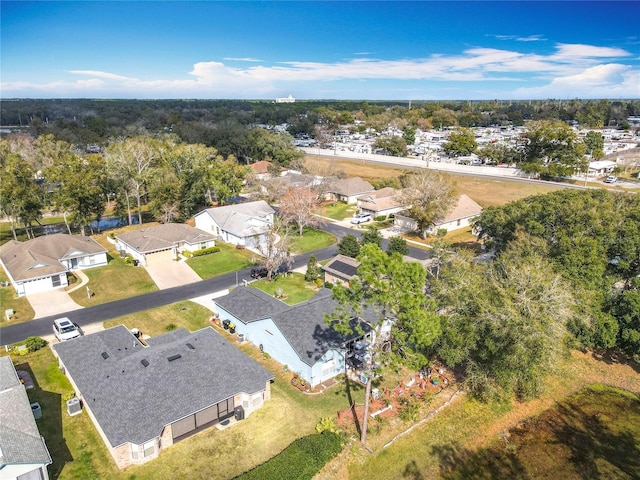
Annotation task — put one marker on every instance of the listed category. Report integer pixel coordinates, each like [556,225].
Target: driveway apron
[52,302]
[171,274]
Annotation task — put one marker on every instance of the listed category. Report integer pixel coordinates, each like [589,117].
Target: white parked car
[64,329]
[361,218]
[611,179]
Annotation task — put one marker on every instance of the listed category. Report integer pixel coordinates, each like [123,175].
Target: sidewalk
[83,280]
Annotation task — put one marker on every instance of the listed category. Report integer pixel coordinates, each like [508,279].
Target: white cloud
[565,70]
[601,81]
[241,59]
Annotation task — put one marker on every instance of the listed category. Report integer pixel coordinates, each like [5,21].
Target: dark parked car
[259,272]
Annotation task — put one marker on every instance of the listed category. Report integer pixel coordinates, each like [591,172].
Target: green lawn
[228,259]
[9,299]
[339,210]
[311,239]
[157,321]
[292,285]
[114,281]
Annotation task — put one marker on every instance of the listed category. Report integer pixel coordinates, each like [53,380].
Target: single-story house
[296,336]
[348,189]
[381,202]
[243,224]
[261,169]
[23,453]
[460,216]
[42,263]
[600,168]
[340,269]
[143,399]
[163,242]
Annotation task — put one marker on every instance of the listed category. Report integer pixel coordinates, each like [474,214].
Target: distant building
[288,99]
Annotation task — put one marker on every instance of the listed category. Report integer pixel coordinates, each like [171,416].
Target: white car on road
[361,218]
[64,329]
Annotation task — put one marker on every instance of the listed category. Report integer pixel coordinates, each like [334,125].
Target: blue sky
[320,50]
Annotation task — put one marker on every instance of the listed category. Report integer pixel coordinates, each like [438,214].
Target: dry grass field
[486,191]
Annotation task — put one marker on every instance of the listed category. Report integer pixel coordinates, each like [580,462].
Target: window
[203,245]
[92,260]
[55,281]
[149,448]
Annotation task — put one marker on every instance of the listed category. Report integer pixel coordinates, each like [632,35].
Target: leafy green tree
[461,142]
[79,188]
[392,145]
[552,149]
[409,135]
[349,246]
[313,269]
[397,245]
[505,322]
[22,200]
[495,153]
[225,178]
[394,292]
[444,117]
[626,308]
[277,147]
[594,142]
[371,235]
[429,194]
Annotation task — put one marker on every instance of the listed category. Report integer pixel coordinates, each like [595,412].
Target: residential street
[96,315]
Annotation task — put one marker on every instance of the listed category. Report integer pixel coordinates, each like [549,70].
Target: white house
[242,224]
[600,168]
[348,189]
[380,202]
[296,336]
[42,263]
[23,453]
[460,216]
[164,242]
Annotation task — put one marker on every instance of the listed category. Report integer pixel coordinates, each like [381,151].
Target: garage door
[160,257]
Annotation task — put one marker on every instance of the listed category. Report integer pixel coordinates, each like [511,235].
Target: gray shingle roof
[131,402]
[250,304]
[350,186]
[342,266]
[40,256]
[163,237]
[303,325]
[242,219]
[20,440]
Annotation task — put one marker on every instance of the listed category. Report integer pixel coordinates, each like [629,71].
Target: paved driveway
[171,274]
[53,302]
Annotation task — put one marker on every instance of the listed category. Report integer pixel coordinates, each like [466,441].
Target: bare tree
[430,195]
[299,206]
[276,248]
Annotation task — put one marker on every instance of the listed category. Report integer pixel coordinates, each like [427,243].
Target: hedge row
[199,253]
[299,461]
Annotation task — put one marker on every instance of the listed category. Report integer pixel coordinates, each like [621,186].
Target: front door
[74,263]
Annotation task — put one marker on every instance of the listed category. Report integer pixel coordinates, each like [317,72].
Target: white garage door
[157,258]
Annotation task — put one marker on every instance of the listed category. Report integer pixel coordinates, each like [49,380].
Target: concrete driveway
[52,302]
[171,274]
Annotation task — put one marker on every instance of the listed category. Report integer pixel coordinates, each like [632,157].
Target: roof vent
[105,355]
[174,357]
[191,346]
[144,362]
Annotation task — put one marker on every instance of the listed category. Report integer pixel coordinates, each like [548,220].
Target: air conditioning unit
[73,406]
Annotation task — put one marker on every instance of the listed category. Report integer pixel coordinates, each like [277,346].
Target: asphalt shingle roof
[133,402]
[163,237]
[41,256]
[350,186]
[242,219]
[303,325]
[20,440]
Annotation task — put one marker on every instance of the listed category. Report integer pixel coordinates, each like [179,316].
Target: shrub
[34,343]
[204,251]
[301,460]
[380,218]
[171,326]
